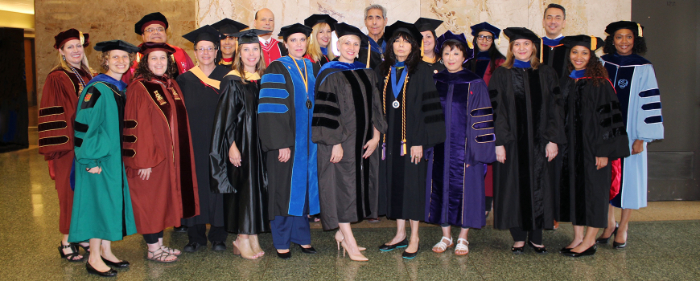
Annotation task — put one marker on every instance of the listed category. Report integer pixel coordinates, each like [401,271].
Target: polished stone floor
[663,244]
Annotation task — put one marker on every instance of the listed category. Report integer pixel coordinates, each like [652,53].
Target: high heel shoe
[72,257]
[242,247]
[109,273]
[605,240]
[540,250]
[618,245]
[359,257]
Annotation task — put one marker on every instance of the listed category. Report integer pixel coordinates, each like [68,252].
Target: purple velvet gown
[455,180]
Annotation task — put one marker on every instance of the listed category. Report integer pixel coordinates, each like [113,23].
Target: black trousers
[198,233]
[521,235]
[152,238]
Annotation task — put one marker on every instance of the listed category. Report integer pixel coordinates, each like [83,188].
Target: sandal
[161,256]
[73,256]
[462,247]
[85,248]
[441,246]
[171,251]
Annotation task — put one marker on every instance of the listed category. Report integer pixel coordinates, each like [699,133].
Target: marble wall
[583,16]
[104,20]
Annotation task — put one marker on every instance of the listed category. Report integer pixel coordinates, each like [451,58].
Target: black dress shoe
[618,246]
[540,250]
[192,247]
[388,248]
[565,250]
[517,250]
[284,256]
[410,256]
[309,250]
[588,252]
[180,229]
[92,270]
[121,264]
[605,240]
[218,246]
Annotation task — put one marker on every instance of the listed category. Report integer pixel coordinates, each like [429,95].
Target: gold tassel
[541,50]
[639,30]
[403,147]
[422,49]
[594,43]
[471,45]
[82,38]
[369,52]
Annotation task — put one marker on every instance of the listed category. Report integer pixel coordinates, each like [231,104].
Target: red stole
[271,51]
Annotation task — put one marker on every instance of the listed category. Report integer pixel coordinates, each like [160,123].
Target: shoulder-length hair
[143,70]
[313,49]
[390,58]
[594,69]
[640,45]
[238,63]
[510,57]
[494,54]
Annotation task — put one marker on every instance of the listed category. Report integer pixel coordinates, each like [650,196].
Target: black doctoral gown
[402,183]
[436,67]
[200,101]
[594,128]
[556,57]
[244,188]
[527,107]
[346,112]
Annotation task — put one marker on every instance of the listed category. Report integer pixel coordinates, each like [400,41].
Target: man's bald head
[265,19]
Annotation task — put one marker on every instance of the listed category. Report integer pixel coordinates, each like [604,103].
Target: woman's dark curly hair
[640,45]
[594,68]
[143,70]
[390,58]
[494,54]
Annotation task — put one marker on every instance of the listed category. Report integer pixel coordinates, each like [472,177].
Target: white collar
[555,38]
[263,41]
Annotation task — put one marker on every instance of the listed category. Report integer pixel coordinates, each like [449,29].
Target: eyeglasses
[203,50]
[151,29]
[485,37]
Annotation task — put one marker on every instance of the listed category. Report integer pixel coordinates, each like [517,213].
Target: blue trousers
[287,230]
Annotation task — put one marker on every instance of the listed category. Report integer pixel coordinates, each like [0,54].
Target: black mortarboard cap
[204,33]
[590,42]
[425,24]
[402,26]
[319,18]
[150,19]
[485,26]
[148,47]
[515,33]
[228,27]
[106,46]
[249,36]
[294,28]
[342,29]
[69,34]
[636,28]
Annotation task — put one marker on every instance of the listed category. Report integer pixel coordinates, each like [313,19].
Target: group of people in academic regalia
[262,135]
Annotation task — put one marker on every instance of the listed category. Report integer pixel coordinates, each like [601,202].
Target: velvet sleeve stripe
[481,112]
[52,125]
[485,138]
[326,96]
[272,108]
[128,152]
[273,78]
[129,138]
[434,118]
[326,109]
[653,119]
[53,141]
[130,124]
[607,122]
[324,122]
[78,142]
[651,106]
[649,93]
[56,110]
[430,95]
[274,93]
[431,106]
[619,131]
[80,127]
[483,125]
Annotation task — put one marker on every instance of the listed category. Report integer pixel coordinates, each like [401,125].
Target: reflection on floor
[663,244]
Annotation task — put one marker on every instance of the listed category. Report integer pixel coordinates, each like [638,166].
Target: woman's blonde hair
[238,63]
[313,49]
[63,64]
[510,57]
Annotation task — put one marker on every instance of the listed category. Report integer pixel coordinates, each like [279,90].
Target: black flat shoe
[284,256]
[309,250]
[121,264]
[410,256]
[540,250]
[92,270]
[192,247]
[618,246]
[588,252]
[565,250]
[605,240]
[180,229]
[388,248]
[218,246]
[517,250]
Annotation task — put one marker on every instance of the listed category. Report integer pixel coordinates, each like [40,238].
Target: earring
[64,57]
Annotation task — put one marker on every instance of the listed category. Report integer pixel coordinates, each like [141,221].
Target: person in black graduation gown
[236,158]
[428,47]
[416,122]
[322,26]
[372,53]
[200,88]
[593,141]
[527,105]
[346,125]
[228,44]
[554,53]
[285,108]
